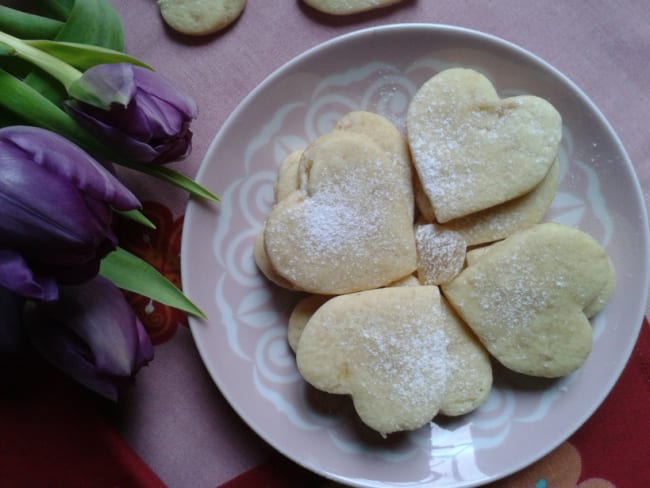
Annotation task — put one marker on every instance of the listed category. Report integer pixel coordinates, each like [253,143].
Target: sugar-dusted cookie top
[525,297]
[200,17]
[473,150]
[387,348]
[347,7]
[347,228]
[390,139]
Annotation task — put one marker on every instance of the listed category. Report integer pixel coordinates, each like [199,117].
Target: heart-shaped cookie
[387,348]
[473,150]
[525,298]
[348,227]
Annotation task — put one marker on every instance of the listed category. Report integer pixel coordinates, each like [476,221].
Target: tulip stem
[63,72]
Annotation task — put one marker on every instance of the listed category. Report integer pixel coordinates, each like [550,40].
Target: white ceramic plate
[243,344]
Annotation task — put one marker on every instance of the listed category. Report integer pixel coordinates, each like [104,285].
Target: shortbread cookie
[308,305]
[422,203]
[441,253]
[473,150]
[469,370]
[475,253]
[498,222]
[300,315]
[387,348]
[603,296]
[200,17]
[286,183]
[344,230]
[390,139]
[410,280]
[590,310]
[525,298]
[347,7]
[264,264]
[288,178]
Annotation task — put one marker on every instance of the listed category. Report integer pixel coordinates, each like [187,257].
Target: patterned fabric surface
[174,428]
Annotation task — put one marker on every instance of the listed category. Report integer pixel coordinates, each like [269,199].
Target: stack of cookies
[422,257]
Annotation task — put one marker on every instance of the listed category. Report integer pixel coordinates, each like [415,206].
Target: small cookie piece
[387,348]
[473,150]
[345,229]
[390,139]
[498,222]
[469,370]
[525,298]
[441,253]
[347,7]
[200,17]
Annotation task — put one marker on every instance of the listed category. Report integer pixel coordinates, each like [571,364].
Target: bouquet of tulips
[72,104]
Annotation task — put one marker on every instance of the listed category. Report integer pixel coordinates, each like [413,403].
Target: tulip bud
[55,212]
[92,335]
[134,110]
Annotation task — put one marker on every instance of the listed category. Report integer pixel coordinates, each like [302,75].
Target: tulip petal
[58,215]
[59,156]
[105,84]
[137,150]
[17,276]
[160,87]
[93,335]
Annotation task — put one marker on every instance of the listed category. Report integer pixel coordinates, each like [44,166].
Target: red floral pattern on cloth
[161,248]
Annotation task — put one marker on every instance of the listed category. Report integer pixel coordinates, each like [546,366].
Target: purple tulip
[55,212]
[91,334]
[135,110]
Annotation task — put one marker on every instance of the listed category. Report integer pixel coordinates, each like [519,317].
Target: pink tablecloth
[175,419]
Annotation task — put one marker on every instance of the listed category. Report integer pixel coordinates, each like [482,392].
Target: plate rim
[195,323]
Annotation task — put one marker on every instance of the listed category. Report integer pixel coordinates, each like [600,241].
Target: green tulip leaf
[92,22]
[34,109]
[28,26]
[136,216]
[175,178]
[60,9]
[131,273]
[84,56]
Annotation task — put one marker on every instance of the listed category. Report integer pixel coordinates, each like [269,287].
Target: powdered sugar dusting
[441,253]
